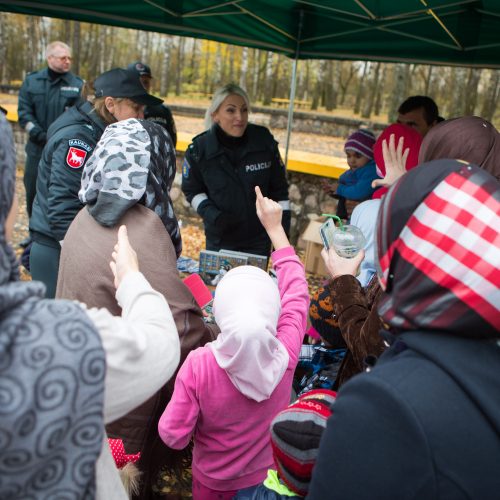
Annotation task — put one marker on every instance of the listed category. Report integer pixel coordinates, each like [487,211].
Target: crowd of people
[110,375]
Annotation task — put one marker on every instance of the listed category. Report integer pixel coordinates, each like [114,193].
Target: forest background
[192,68]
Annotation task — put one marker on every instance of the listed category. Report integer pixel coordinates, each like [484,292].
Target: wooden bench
[298,161]
[286,102]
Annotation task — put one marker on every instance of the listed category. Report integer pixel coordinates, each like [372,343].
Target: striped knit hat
[295,437]
[361,142]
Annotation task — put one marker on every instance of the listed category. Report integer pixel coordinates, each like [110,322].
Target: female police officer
[72,138]
[221,168]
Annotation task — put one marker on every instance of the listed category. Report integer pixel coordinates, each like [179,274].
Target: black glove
[225,222]
[39,137]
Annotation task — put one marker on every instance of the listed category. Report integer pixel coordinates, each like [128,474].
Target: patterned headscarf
[437,247]
[52,369]
[134,162]
[468,138]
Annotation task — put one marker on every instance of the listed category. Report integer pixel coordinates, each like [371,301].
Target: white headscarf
[364,216]
[247,307]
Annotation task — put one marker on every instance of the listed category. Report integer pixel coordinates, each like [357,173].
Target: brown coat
[84,275]
[355,309]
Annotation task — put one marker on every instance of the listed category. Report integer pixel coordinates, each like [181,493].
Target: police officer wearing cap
[221,168]
[160,113]
[44,96]
[119,95]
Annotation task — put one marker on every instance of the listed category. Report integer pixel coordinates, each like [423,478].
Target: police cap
[121,82]
[141,68]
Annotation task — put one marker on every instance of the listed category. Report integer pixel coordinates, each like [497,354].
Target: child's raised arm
[269,213]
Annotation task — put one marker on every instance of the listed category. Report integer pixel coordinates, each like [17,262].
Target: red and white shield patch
[76,157]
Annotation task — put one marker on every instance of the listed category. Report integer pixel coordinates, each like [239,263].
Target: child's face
[356,160]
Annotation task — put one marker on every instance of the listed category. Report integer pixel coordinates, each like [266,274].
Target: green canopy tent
[452,32]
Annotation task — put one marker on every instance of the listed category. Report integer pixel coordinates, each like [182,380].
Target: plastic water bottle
[348,241]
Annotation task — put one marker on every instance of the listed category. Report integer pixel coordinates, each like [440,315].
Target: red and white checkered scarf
[438,251]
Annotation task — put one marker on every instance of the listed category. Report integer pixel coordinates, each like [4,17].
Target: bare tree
[165,65]
[361,85]
[244,67]
[473,77]
[346,78]
[459,76]
[180,63]
[3,48]
[398,94]
[372,91]
[268,84]
[75,47]
[492,91]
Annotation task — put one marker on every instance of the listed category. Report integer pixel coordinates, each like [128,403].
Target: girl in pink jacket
[227,392]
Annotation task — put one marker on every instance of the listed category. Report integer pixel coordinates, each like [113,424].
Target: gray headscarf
[52,369]
[134,162]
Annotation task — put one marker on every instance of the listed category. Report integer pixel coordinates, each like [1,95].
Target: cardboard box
[313,261]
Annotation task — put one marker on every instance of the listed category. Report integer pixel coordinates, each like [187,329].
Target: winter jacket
[355,309]
[72,139]
[357,184]
[220,185]
[424,423]
[42,100]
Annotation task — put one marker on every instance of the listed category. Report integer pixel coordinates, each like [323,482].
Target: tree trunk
[276,78]
[232,76]
[244,68]
[268,85]
[344,84]
[471,91]
[192,65]
[398,95]
[329,85]
[67,32]
[217,73]
[180,64]
[372,92]
[206,84]
[75,48]
[428,78]
[492,95]
[381,87]
[361,85]
[458,101]
[3,48]
[165,65]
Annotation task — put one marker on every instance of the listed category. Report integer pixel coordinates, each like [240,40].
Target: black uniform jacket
[71,141]
[217,181]
[42,101]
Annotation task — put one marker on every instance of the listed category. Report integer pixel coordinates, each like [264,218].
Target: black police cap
[121,82]
[141,68]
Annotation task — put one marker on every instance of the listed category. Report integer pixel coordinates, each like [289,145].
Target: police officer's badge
[77,153]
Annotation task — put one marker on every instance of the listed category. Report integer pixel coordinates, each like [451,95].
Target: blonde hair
[52,46]
[218,98]
[102,111]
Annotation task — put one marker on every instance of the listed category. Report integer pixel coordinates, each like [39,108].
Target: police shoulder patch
[185,169]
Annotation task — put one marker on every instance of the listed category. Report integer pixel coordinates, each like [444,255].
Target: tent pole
[293,88]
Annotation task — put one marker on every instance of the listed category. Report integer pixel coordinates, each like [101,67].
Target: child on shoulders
[227,392]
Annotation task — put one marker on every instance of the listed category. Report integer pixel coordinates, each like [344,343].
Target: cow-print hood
[134,162]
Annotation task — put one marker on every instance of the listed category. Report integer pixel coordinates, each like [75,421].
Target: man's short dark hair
[431,111]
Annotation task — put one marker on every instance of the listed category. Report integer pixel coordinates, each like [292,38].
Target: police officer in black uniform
[221,168]
[71,139]
[160,113]
[43,97]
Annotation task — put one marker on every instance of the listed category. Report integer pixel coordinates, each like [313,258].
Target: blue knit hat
[361,142]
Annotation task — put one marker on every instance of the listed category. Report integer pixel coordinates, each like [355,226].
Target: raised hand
[124,259]
[395,161]
[339,266]
[269,213]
